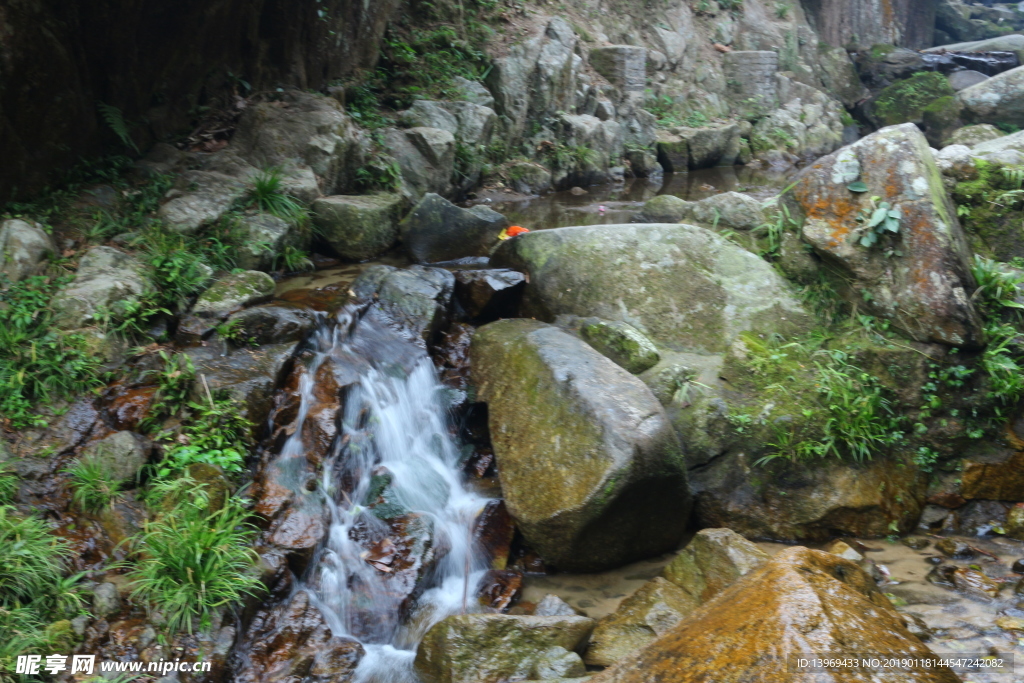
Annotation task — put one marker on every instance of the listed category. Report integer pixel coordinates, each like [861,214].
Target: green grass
[92,486]
[268,195]
[192,562]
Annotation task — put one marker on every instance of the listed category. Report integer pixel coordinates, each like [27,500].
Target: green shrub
[93,488]
[214,432]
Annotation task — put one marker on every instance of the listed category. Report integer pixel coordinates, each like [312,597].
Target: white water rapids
[393,418]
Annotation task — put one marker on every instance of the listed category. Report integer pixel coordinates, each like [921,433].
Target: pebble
[1018,567]
[915,542]
[954,548]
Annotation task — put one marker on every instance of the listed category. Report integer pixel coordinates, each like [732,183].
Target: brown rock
[712,561]
[800,603]
[994,476]
[499,589]
[493,532]
[974,584]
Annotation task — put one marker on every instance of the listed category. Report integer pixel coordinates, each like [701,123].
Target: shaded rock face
[292,642]
[800,603]
[684,286]
[924,285]
[23,245]
[437,230]
[106,278]
[592,472]
[908,23]
[489,294]
[490,648]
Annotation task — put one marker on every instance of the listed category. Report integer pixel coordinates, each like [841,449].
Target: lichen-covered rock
[920,277]
[799,604]
[729,210]
[666,208]
[974,135]
[437,230]
[685,287]
[199,199]
[592,473]
[359,227]
[651,612]
[107,280]
[23,245]
[415,298]
[233,292]
[121,455]
[711,562]
[492,648]
[621,342]
[999,99]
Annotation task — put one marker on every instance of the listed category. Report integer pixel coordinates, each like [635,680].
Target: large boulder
[802,603]
[714,560]
[437,230]
[592,473]
[684,286]
[359,227]
[920,277]
[23,245]
[493,648]
[106,281]
[426,157]
[416,299]
[999,99]
[200,198]
[666,208]
[716,145]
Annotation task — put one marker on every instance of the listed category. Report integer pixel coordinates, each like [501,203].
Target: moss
[992,223]
[880,51]
[906,100]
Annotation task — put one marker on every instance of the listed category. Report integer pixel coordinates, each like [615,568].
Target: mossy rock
[993,229]
[905,101]
[941,118]
[233,292]
[621,342]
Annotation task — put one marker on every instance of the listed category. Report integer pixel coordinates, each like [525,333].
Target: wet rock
[800,603]
[200,198]
[1018,567]
[974,135]
[499,589]
[729,210]
[915,542]
[264,238]
[553,606]
[233,292]
[666,208]
[489,648]
[1015,522]
[23,245]
[951,547]
[999,99]
[844,551]
[105,600]
[642,617]
[993,474]
[622,343]
[292,642]
[248,375]
[121,455]
[637,273]
[979,517]
[974,583]
[1010,623]
[359,227]
[712,561]
[272,324]
[415,298]
[592,472]
[924,287]
[493,532]
[489,294]
[123,518]
[437,230]
[106,281]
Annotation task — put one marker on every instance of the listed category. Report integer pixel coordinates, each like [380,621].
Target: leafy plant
[379,173]
[998,286]
[774,230]
[94,489]
[214,433]
[879,219]
[782,10]
[8,485]
[113,117]
[268,195]
[174,382]
[293,260]
[192,562]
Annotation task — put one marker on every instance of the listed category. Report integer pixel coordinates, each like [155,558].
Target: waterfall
[394,419]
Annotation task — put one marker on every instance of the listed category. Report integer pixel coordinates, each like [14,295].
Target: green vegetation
[565,156]
[214,433]
[267,194]
[93,487]
[905,100]
[669,113]
[880,218]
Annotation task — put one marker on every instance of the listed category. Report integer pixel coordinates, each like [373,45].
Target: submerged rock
[437,230]
[492,648]
[23,245]
[590,467]
[801,603]
[712,562]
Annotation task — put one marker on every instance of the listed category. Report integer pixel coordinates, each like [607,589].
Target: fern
[115,119]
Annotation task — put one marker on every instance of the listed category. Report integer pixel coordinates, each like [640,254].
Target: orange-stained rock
[919,278]
[802,603]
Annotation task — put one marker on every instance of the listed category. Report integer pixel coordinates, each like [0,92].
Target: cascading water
[395,421]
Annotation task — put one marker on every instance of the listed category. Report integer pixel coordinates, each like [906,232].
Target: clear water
[394,417]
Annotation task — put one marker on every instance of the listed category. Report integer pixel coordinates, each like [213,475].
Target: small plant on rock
[268,195]
[94,489]
[880,218]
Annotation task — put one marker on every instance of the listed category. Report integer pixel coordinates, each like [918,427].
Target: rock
[961,80]
[955,161]
[973,135]
[307,127]
[974,583]
[1015,523]
[1008,43]
[471,124]
[200,198]
[527,177]
[499,589]
[105,600]
[473,91]
[638,273]
[359,227]
[292,642]
[729,210]
[713,561]
[415,298]
[993,474]
[925,288]
[265,238]
[666,208]
[808,124]
[951,547]
[716,145]
[233,292]
[437,230]
[121,455]
[844,551]
[641,618]
[625,66]
[999,99]
[106,281]
[493,532]
[915,542]
[905,100]
[490,648]
[592,473]
[272,324]
[553,606]
[426,157]
[23,246]
[490,293]
[250,376]
[673,152]
[941,118]
[798,604]
[622,343]
[643,163]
